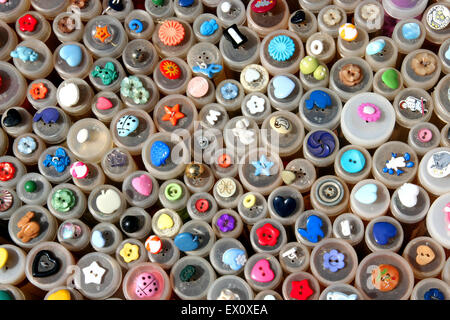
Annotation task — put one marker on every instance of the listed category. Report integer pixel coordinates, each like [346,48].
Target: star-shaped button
[262,166]
[301,290]
[173,114]
[101,33]
[93,273]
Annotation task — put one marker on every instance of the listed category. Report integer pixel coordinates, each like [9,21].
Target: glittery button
[171,33]
[438,17]
[281,48]
[63,200]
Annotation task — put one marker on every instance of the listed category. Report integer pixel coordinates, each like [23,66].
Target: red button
[7,171]
[261,6]
[202,205]
[301,290]
[27,23]
[267,235]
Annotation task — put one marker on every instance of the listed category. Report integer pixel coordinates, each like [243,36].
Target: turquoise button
[353,161]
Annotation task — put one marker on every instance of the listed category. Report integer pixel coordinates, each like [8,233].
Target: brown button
[66,25]
[350,75]
[28,229]
[423,64]
[79,3]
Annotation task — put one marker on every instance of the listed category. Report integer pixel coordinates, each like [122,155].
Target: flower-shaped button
[27,23]
[256,104]
[423,64]
[132,87]
[267,235]
[229,91]
[38,91]
[26,145]
[60,160]
[171,33]
[333,260]
[7,171]
[66,25]
[281,48]
[301,290]
[63,200]
[129,252]
[369,112]
[350,75]
[226,223]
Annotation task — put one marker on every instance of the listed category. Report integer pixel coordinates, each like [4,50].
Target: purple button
[321,144]
[49,115]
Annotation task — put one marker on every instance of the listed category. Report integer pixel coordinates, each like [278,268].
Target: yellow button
[3,257]
[129,252]
[62,294]
[249,201]
[165,222]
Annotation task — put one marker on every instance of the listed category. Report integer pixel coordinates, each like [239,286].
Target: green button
[63,200]
[5,295]
[173,192]
[158,2]
[30,186]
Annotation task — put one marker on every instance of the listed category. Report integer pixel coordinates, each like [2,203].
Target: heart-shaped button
[104,103]
[282,87]
[45,264]
[108,201]
[72,54]
[12,119]
[284,207]
[142,184]
[262,272]
[383,232]
[97,239]
[367,194]
[165,222]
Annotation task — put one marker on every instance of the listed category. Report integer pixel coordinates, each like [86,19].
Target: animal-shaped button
[28,229]
[108,74]
[313,229]
[48,115]
[318,98]
[127,125]
[25,54]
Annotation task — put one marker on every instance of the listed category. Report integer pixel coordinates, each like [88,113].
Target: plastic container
[441,104]
[294,283]
[134,289]
[230,288]
[37,196]
[231,12]
[412,41]
[236,59]
[341,291]
[134,29]
[41,30]
[166,223]
[9,14]
[307,25]
[64,64]
[13,272]
[24,125]
[274,19]
[201,31]
[11,206]
[349,227]
[107,74]
[410,204]
[294,257]
[420,76]
[353,164]
[182,47]
[168,255]
[381,81]
[228,256]
[300,174]
[319,117]
[49,8]
[41,67]
[105,238]
[436,31]
[50,130]
[330,19]
[424,137]
[135,223]
[159,11]
[285,100]
[108,100]
[437,223]
[369,15]
[386,57]
[140,57]
[356,47]
[320,147]
[250,211]
[14,91]
[268,236]
[328,47]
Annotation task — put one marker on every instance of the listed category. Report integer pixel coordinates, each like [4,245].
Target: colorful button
[27,23]
[187,273]
[38,91]
[224,161]
[319,99]
[173,114]
[45,264]
[348,32]
[425,255]
[353,161]
[186,241]
[127,125]
[333,260]
[70,231]
[198,87]
[132,87]
[60,160]
[262,166]
[300,290]
[72,54]
[79,170]
[411,31]
[229,91]
[185,3]
[385,277]
[375,47]
[66,25]
[25,54]
[6,200]
[367,194]
[313,229]
[407,194]
[129,252]
[261,6]
[68,94]
[208,27]
[171,33]
[30,186]
[249,201]
[438,17]
[434,294]
[159,153]
[103,103]
[424,64]
[234,258]
[12,119]
[3,257]
[98,239]
[390,79]
[5,295]
[262,272]
[93,273]
[26,145]
[208,70]
[397,162]
[146,285]
[108,74]
[7,171]
[62,294]
[226,187]
[332,16]
[226,223]
[284,206]
[173,192]
[108,201]
[383,232]
[425,135]
[153,244]
[194,170]
[281,48]
[102,33]
[63,200]
[202,205]
[213,116]
[136,25]
[28,229]
[142,184]
[267,235]
[369,112]
[170,69]
[283,86]
[351,75]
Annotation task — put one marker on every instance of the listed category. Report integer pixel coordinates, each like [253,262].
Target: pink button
[198,87]
[424,135]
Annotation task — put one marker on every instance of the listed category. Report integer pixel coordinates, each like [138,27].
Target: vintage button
[25,54]
[165,222]
[63,200]
[262,166]
[425,135]
[348,32]
[26,145]
[203,142]
[375,47]
[142,184]
[390,79]
[127,125]
[66,25]
[173,192]
[423,64]
[261,271]
[30,186]
[226,187]
[353,161]
[117,159]
[27,23]
[136,25]
[28,229]
[202,205]
[407,194]
[208,27]
[38,91]
[367,194]
[173,114]
[146,285]
[186,241]
[350,75]
[130,224]
[234,258]
[301,290]
[425,255]
[281,48]
[93,273]
[330,192]
[332,17]
[261,6]
[171,33]
[45,264]
[198,87]
[282,87]
[321,144]
[411,31]
[226,223]
[288,177]
[102,33]
[153,244]
[62,294]
[7,171]
[438,166]
[224,161]
[68,95]
[313,229]
[170,69]
[383,232]
[159,153]
[187,273]
[267,235]
[108,74]
[385,277]
[70,231]
[72,54]
[129,252]
[249,201]
[370,12]
[6,200]
[229,91]
[333,260]
[3,257]
[108,201]
[438,17]
[194,170]
[280,124]
[79,170]
[12,119]
[284,206]
[60,160]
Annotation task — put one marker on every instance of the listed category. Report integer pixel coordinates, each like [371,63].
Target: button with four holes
[330,192]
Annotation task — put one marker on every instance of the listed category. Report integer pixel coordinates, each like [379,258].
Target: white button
[93,273]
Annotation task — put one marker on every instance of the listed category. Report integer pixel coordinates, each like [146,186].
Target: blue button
[186,241]
[383,232]
[353,161]
[411,31]
[136,25]
[208,27]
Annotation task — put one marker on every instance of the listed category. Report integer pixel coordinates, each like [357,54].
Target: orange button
[224,161]
[171,33]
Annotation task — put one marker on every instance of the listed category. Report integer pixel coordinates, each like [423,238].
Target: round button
[173,192]
[224,161]
[249,201]
[30,186]
[202,205]
[353,161]
[63,200]
[6,200]
[424,135]
[330,192]
[226,187]
[7,171]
